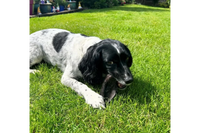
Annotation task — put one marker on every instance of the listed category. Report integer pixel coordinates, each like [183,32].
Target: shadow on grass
[140,91]
[43,63]
[125,8]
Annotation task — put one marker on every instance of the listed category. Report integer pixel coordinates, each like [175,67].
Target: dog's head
[107,57]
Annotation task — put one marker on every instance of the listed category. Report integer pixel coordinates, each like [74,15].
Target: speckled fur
[67,59]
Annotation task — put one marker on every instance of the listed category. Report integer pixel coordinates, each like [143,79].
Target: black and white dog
[80,56]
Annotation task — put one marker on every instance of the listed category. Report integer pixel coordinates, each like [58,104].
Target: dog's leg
[33,52]
[92,98]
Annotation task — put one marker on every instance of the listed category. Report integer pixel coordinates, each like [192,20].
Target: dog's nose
[128,80]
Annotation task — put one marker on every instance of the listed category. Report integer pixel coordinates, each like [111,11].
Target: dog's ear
[91,65]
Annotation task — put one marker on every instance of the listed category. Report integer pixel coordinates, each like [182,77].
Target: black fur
[90,65]
[59,40]
[96,62]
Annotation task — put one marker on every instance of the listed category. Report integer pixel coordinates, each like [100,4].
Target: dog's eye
[110,62]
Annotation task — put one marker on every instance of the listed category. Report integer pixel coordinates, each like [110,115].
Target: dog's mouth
[121,86]
[110,86]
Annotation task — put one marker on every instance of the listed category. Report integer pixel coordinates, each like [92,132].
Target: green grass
[143,107]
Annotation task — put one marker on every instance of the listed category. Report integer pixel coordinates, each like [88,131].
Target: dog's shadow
[139,90]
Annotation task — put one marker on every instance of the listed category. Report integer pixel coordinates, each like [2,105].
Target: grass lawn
[143,107]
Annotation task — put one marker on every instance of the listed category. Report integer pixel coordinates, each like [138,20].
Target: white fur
[67,60]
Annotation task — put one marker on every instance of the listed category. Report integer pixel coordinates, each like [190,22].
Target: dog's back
[58,47]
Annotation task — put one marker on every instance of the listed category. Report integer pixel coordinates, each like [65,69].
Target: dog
[80,56]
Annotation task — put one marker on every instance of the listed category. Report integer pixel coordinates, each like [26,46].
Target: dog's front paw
[95,100]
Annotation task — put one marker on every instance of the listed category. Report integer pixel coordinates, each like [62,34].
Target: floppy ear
[91,65]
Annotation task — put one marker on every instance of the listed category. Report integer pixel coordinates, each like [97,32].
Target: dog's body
[80,56]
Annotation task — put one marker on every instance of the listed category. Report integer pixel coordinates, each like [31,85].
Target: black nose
[129,80]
